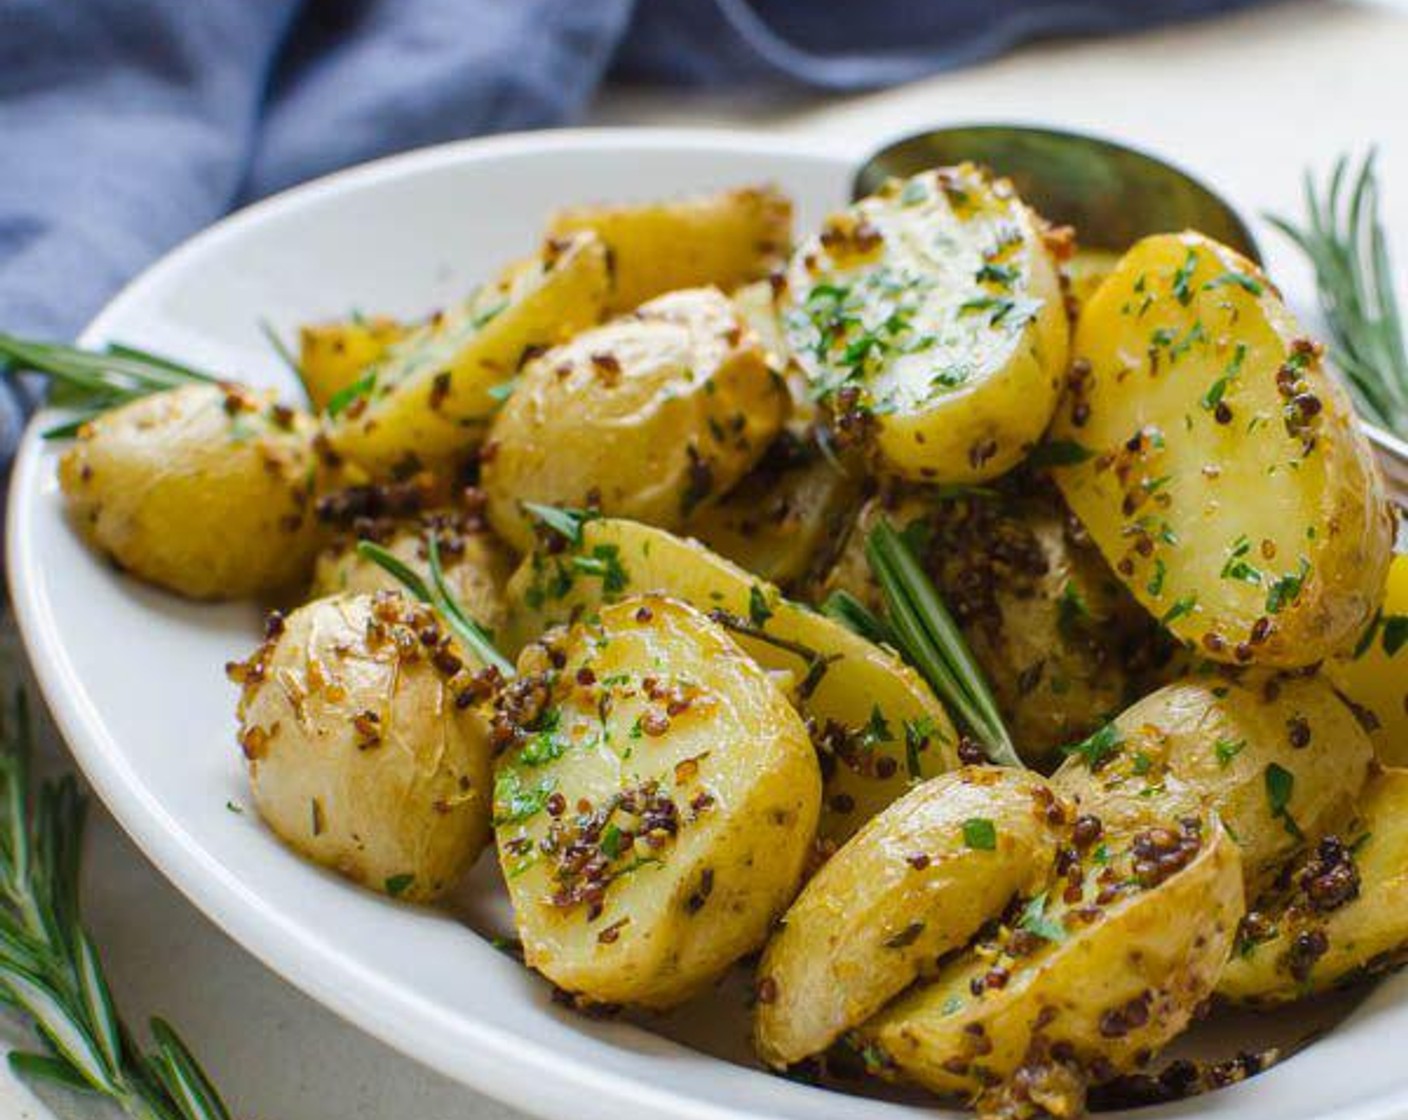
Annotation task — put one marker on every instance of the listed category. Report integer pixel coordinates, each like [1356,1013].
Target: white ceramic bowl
[135,677]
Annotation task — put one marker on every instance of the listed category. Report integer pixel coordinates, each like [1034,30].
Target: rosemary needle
[1345,242]
[50,969]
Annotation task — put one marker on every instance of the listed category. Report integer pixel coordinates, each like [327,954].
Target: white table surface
[1246,101]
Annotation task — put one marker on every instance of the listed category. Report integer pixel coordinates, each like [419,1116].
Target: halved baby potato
[1280,759]
[1342,914]
[332,356]
[1217,462]
[206,490]
[1060,641]
[429,400]
[1374,675]
[915,883]
[362,756]
[655,807]
[723,239]
[650,416]
[1087,981]
[930,317]
[876,725]
[476,566]
[786,518]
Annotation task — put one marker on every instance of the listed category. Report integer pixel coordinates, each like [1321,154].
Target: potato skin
[930,317]
[1374,675]
[909,887]
[655,807]
[649,417]
[785,519]
[205,490]
[1344,915]
[723,239]
[359,757]
[433,393]
[875,722]
[332,356]
[1217,462]
[1060,641]
[1227,740]
[1117,985]
[475,564]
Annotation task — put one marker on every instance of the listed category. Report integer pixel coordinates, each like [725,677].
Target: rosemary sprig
[50,969]
[438,594]
[1345,242]
[94,381]
[930,640]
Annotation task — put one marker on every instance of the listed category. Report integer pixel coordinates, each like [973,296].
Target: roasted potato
[1374,675]
[206,490]
[874,721]
[475,565]
[1341,913]
[915,883]
[1083,983]
[649,416]
[656,806]
[429,400]
[722,239]
[785,519]
[930,317]
[333,356]
[1062,644]
[360,757]
[1217,462]
[1279,758]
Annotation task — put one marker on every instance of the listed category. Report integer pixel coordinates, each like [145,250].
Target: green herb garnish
[50,968]
[980,834]
[1346,245]
[931,641]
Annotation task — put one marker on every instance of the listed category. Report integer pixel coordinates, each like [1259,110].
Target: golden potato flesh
[930,317]
[655,807]
[1279,759]
[1085,982]
[1216,461]
[649,416]
[915,883]
[722,239]
[877,727]
[1343,913]
[475,565]
[332,356]
[1374,675]
[788,515]
[429,400]
[1061,643]
[363,754]
[206,490]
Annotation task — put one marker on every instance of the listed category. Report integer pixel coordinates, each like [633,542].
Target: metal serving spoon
[1112,194]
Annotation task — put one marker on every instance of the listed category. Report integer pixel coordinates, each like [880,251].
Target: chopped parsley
[1228,749]
[397,885]
[514,802]
[1059,453]
[1181,607]
[604,563]
[1035,920]
[758,610]
[1183,278]
[980,834]
[1099,748]
[1280,784]
[1238,279]
[1285,590]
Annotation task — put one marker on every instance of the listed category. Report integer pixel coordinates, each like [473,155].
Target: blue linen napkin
[127,125]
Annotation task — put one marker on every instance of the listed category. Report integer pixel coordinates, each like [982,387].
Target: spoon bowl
[1112,194]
